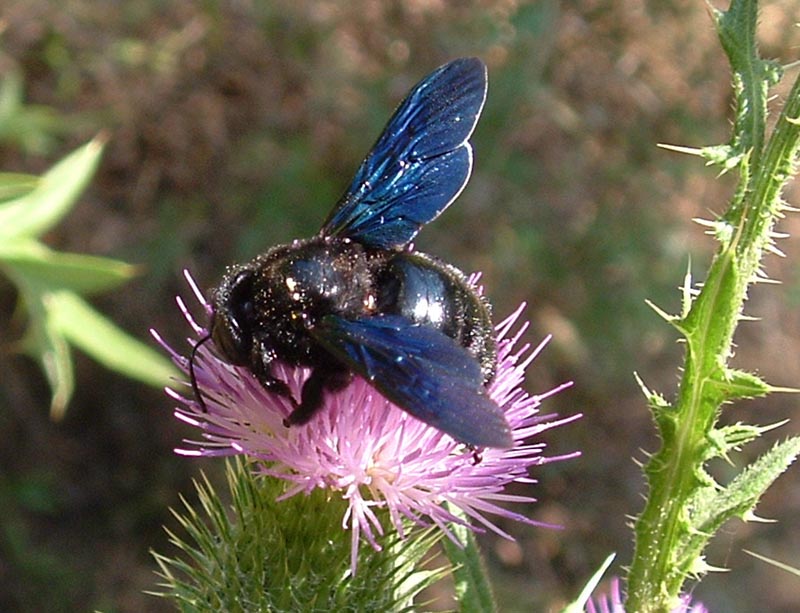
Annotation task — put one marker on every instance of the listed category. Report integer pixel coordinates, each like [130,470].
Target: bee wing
[422,371]
[419,164]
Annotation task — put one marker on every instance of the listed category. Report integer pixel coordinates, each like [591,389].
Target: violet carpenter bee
[358,300]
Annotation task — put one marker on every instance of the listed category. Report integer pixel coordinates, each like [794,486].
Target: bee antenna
[192,376]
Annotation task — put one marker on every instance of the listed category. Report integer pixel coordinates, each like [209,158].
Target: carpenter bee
[358,299]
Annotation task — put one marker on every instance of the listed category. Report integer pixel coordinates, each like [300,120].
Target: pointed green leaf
[16,184]
[56,359]
[33,261]
[579,604]
[473,590]
[740,384]
[753,76]
[59,188]
[734,436]
[100,338]
[713,508]
[48,346]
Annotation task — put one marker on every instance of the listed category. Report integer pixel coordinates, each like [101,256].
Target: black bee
[357,298]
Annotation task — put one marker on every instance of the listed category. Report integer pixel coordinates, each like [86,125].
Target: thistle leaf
[46,344]
[712,508]
[15,185]
[85,274]
[87,329]
[34,213]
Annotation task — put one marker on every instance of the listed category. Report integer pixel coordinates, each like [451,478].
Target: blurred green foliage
[51,283]
[32,128]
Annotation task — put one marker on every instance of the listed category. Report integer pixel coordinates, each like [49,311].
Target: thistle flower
[612,602]
[374,454]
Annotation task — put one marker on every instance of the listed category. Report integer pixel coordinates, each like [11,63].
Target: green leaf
[56,359]
[740,384]
[473,590]
[48,346]
[753,76]
[579,604]
[16,184]
[713,508]
[83,274]
[38,211]
[735,436]
[90,331]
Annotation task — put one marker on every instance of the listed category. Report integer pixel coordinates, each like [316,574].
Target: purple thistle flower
[613,602]
[359,444]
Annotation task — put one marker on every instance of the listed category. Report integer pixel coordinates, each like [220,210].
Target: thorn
[777,424]
[767,281]
[775,563]
[751,516]
[717,569]
[681,149]
[642,386]
[704,222]
[687,291]
[662,313]
[774,250]
[783,390]
[791,65]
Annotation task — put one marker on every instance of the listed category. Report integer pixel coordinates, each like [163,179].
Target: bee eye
[234,318]
[242,313]
[240,299]
[242,285]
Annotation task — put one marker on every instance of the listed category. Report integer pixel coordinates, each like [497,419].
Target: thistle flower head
[367,450]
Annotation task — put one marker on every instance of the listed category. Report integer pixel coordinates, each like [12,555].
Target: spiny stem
[668,548]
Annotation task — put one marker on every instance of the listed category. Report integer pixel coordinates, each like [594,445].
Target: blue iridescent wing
[419,164]
[422,371]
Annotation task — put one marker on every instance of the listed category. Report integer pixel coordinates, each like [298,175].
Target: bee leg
[477,455]
[261,360]
[322,379]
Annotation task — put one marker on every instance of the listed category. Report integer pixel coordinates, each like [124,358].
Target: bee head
[233,317]
[231,323]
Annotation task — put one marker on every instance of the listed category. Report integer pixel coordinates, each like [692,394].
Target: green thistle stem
[680,515]
[472,586]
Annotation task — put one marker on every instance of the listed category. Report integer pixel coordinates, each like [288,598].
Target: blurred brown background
[236,125]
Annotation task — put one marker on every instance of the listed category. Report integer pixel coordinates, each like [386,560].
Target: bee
[357,299]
